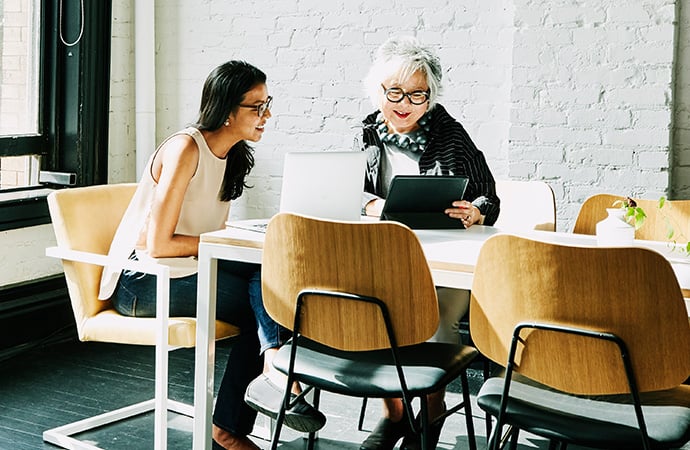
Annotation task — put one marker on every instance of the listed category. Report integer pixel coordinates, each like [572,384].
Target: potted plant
[634,215]
[678,239]
[618,228]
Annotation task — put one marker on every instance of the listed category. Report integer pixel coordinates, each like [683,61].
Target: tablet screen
[419,201]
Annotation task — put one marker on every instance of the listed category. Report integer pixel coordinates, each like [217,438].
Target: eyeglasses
[396,95]
[261,108]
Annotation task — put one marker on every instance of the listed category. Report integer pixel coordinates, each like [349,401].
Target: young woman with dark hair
[185,191]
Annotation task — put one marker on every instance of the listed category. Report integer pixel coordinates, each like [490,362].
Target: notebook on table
[419,201]
[327,185]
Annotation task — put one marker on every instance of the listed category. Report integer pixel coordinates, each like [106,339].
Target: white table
[452,255]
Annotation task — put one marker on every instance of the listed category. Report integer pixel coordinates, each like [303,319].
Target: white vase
[614,231]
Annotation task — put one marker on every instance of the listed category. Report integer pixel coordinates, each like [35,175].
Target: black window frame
[74,93]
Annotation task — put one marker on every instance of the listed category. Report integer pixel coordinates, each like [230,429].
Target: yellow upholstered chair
[526,205]
[594,341]
[361,302]
[85,220]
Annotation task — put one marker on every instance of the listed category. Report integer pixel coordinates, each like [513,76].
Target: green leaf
[639,217]
[662,201]
[669,233]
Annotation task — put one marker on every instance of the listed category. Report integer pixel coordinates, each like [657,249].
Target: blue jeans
[239,302]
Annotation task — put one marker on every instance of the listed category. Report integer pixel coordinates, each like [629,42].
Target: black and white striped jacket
[450,151]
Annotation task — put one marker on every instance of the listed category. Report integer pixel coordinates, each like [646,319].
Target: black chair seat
[599,422]
[428,367]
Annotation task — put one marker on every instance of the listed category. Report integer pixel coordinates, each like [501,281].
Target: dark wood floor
[54,385]
[57,384]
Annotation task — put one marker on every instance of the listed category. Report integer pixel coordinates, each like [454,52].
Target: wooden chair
[361,302]
[594,341]
[85,220]
[526,205]
[674,214]
[592,211]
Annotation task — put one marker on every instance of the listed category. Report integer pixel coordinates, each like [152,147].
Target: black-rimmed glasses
[396,95]
[261,108]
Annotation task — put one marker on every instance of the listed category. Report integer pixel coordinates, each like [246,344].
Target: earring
[227,122]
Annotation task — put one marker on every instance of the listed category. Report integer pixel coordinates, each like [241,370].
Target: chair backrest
[593,210]
[630,292]
[526,205]
[378,259]
[86,219]
[674,214]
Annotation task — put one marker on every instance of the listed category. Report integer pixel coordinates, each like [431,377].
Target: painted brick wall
[315,54]
[681,100]
[590,96]
[578,94]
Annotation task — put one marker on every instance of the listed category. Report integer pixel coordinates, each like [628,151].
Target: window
[19,83]
[54,91]
[19,80]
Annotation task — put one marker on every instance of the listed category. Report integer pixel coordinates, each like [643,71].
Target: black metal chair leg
[311,440]
[469,420]
[514,434]
[424,421]
[487,417]
[492,438]
[278,426]
[362,412]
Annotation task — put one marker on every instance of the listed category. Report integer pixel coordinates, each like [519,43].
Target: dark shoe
[386,434]
[414,441]
[266,397]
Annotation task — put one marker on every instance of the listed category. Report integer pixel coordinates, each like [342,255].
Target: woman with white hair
[411,134]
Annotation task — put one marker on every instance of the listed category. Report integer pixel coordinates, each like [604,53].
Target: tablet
[419,201]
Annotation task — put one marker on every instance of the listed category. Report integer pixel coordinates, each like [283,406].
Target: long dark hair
[223,91]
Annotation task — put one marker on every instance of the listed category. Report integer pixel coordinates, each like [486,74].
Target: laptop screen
[327,185]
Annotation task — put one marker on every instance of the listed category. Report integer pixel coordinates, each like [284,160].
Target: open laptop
[419,201]
[326,185]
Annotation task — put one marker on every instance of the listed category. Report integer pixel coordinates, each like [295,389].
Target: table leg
[205,354]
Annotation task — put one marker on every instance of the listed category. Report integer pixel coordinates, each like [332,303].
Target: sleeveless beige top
[202,211]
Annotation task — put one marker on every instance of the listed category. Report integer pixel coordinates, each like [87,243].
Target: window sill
[21,208]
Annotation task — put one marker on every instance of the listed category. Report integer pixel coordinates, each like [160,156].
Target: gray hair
[401,57]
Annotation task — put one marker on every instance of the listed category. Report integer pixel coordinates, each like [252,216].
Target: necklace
[414,141]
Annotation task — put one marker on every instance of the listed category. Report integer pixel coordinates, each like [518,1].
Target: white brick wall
[583,94]
[315,54]
[681,98]
[603,73]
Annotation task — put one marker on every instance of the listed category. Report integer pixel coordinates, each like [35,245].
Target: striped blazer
[450,151]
